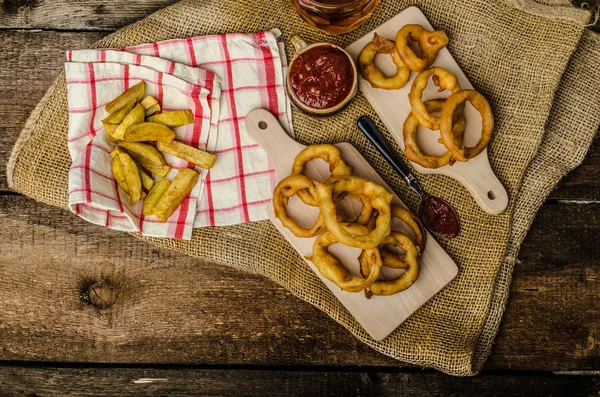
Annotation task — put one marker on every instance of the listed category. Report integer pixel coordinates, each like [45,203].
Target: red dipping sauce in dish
[322,76]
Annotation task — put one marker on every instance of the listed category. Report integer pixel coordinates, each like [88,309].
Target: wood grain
[191,312]
[123,382]
[100,14]
[29,63]
[76,15]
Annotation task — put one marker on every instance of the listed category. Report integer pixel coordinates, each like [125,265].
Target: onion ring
[372,74]
[366,212]
[380,200]
[331,268]
[330,154]
[441,78]
[409,131]
[406,279]
[413,222]
[286,188]
[487,126]
[392,259]
[429,43]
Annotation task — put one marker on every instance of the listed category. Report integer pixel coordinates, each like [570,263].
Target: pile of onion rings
[402,55]
[370,231]
[451,123]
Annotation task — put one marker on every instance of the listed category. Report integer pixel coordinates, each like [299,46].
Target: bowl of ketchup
[321,78]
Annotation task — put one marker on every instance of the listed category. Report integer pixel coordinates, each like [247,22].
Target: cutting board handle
[264,128]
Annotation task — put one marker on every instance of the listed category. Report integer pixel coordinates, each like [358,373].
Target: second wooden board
[393,107]
[380,315]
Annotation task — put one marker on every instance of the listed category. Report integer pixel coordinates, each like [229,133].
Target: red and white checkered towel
[93,192]
[251,69]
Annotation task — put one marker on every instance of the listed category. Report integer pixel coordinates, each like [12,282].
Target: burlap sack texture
[514,51]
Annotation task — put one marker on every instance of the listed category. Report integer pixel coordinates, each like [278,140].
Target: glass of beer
[335,16]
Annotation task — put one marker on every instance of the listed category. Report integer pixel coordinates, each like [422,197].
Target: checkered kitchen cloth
[93,192]
[251,69]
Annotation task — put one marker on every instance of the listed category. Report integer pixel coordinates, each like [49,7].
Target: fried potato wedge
[132,176]
[199,157]
[182,185]
[147,180]
[145,150]
[157,169]
[134,94]
[148,102]
[117,170]
[176,118]
[151,105]
[119,115]
[115,152]
[153,109]
[136,116]
[154,195]
[149,132]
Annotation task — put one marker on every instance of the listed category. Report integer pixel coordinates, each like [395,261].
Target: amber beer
[335,16]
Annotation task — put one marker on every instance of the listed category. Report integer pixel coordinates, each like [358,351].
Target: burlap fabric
[516,52]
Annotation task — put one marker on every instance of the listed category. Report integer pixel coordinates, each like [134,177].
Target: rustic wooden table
[181,325]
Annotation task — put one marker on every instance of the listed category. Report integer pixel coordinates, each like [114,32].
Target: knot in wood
[103,294]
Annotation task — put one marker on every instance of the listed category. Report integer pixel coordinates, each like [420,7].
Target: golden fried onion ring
[406,279]
[392,259]
[331,268]
[372,74]
[441,78]
[450,108]
[429,43]
[409,131]
[380,200]
[286,188]
[330,154]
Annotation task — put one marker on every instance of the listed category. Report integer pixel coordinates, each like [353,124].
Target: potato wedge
[144,149]
[148,102]
[199,157]
[154,195]
[117,170]
[119,115]
[136,116]
[115,152]
[134,94]
[157,169]
[153,109]
[149,132]
[176,118]
[147,180]
[132,176]
[182,185]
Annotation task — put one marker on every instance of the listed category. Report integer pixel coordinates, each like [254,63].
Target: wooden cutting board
[379,315]
[393,107]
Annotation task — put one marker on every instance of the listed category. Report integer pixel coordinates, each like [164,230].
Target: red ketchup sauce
[322,76]
[439,217]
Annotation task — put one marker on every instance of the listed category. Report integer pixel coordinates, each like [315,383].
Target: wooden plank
[122,382]
[79,15]
[32,59]
[553,307]
[29,63]
[176,309]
